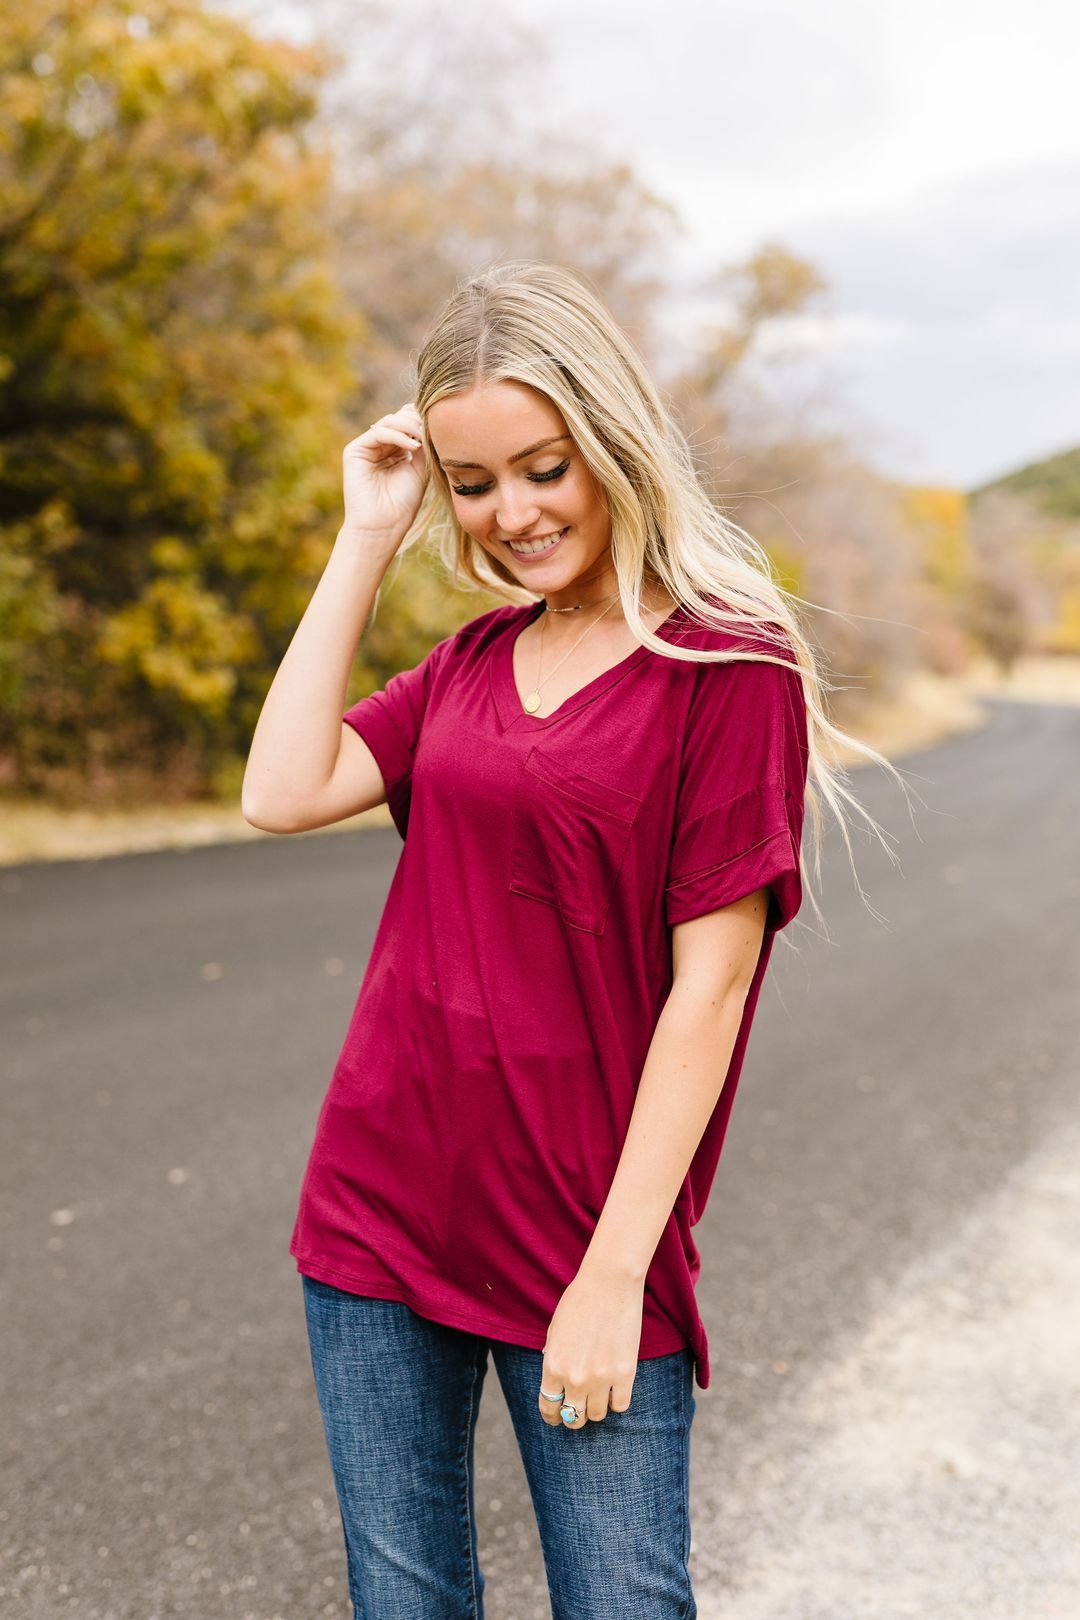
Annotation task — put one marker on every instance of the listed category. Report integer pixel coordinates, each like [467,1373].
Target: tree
[446,160]
[762,290]
[173,363]
[1027,562]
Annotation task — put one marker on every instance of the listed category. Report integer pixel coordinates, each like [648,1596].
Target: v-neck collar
[504,688]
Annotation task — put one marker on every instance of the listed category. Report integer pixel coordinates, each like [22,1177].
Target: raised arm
[305,767]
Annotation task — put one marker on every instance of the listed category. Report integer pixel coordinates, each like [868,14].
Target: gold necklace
[532,700]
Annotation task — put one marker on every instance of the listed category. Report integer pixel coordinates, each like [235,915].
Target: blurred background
[847,239]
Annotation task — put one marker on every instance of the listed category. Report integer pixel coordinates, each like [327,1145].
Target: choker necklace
[578,605]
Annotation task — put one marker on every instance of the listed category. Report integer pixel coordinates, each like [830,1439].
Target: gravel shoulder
[933,1467]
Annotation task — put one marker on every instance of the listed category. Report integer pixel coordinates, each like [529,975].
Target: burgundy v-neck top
[476,1114]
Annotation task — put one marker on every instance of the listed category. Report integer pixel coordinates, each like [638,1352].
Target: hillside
[1054,483]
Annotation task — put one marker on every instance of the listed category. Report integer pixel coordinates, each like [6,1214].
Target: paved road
[170,1022]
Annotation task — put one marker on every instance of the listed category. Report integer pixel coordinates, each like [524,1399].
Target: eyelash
[537,478]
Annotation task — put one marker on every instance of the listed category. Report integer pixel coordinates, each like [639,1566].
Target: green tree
[173,361]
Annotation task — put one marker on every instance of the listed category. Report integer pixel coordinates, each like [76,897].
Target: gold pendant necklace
[533,698]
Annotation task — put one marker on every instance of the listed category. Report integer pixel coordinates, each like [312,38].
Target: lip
[538,556]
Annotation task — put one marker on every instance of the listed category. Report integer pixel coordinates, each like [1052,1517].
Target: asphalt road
[170,1022]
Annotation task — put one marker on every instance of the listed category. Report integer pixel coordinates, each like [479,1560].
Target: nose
[516,517]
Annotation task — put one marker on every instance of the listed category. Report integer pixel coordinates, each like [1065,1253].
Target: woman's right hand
[385,474]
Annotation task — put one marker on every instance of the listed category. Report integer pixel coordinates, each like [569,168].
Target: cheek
[477,520]
[468,514]
[588,500]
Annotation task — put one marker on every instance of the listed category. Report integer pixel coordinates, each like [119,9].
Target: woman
[601,786]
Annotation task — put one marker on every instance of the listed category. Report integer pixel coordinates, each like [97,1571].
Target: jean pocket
[570,835]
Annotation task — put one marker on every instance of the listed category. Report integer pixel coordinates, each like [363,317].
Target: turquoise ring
[569,1414]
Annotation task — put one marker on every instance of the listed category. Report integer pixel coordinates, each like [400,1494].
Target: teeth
[535,545]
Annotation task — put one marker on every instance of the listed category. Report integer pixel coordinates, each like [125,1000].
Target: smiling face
[502,496]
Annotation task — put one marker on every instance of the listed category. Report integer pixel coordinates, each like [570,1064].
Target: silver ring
[545,1396]
[569,1408]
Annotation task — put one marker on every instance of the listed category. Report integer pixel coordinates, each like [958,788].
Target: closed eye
[536,478]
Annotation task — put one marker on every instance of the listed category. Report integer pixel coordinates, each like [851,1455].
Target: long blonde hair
[542,324]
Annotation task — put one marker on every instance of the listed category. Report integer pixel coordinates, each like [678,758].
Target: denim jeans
[399,1397]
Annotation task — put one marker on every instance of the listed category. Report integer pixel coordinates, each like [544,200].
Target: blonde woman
[600,785]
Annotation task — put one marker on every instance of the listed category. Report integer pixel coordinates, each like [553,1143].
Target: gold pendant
[532,702]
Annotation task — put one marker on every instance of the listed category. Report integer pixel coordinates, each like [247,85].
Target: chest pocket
[570,833]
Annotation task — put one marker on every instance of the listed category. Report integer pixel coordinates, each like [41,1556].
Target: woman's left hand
[592,1347]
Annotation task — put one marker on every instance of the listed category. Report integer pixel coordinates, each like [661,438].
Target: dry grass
[36,832]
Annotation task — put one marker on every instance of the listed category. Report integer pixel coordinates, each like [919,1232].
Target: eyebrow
[478,466]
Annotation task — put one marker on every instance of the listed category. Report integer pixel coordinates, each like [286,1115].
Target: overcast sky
[925,156]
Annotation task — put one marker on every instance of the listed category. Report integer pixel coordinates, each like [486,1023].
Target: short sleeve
[740,800]
[390,722]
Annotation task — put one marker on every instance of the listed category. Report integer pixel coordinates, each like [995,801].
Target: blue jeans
[399,1397]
